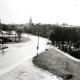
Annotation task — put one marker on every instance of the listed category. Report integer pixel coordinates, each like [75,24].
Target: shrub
[75,53]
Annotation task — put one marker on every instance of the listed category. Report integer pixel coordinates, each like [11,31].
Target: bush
[5,40]
[75,53]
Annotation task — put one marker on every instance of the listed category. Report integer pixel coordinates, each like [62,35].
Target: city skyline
[41,11]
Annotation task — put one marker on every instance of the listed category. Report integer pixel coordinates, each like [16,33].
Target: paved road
[16,54]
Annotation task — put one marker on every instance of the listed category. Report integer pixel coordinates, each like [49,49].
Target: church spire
[30,21]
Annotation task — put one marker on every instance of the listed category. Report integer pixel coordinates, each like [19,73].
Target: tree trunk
[15,37]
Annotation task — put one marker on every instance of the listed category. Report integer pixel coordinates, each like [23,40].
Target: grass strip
[58,64]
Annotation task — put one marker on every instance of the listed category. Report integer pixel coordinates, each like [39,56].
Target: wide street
[16,61]
[16,54]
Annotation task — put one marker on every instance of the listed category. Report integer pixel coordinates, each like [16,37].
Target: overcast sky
[41,11]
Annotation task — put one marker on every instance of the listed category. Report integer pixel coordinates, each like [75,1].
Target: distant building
[65,25]
[7,32]
[57,23]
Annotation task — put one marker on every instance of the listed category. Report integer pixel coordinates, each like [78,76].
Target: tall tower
[0,21]
[30,21]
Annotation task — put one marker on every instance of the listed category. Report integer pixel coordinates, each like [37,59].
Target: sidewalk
[65,54]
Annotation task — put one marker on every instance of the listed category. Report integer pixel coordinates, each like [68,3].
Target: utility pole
[47,44]
[38,45]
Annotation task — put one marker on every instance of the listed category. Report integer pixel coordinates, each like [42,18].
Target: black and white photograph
[39,39]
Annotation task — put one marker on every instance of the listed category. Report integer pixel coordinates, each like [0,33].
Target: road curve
[18,53]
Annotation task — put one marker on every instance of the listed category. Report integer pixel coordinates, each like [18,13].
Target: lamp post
[38,45]
[2,43]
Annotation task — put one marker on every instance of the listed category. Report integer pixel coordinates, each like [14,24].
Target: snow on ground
[27,71]
[16,55]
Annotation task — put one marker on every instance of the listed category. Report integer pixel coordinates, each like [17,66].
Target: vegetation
[5,27]
[19,32]
[16,37]
[58,64]
[60,33]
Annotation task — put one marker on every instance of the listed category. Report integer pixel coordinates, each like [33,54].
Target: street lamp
[2,43]
[38,45]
